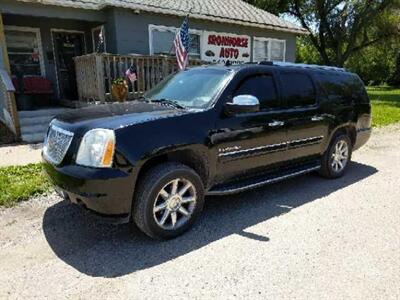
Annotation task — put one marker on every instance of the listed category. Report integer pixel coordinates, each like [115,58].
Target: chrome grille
[56,144]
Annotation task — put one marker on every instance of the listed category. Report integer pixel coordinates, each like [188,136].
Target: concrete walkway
[19,155]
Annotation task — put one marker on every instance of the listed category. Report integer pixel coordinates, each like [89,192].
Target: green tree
[340,29]
[395,76]
[374,64]
[306,52]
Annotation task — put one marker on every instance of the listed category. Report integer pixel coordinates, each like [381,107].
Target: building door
[67,45]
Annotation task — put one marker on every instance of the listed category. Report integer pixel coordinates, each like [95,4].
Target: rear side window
[298,89]
[341,85]
[333,84]
[263,87]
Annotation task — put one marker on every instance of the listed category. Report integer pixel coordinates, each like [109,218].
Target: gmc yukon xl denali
[212,130]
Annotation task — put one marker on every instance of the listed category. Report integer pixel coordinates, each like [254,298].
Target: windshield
[194,88]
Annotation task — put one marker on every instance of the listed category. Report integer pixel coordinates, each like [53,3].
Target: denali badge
[227,149]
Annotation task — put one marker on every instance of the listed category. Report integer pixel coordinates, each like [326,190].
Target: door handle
[276,124]
[317,118]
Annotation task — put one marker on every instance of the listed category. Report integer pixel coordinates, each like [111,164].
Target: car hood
[118,115]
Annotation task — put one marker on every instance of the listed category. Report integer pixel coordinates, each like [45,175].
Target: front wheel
[168,200]
[336,159]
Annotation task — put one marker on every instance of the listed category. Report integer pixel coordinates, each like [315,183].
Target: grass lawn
[385,105]
[21,183]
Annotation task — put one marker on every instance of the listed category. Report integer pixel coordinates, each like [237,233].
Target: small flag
[182,44]
[131,73]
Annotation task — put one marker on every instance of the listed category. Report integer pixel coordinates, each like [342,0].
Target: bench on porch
[34,85]
[40,88]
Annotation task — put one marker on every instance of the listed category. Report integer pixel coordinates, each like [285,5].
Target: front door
[67,45]
[307,130]
[246,143]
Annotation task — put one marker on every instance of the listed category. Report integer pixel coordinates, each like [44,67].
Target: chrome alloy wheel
[175,204]
[340,156]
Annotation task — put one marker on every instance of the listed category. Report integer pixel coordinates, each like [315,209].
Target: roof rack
[304,66]
[266,63]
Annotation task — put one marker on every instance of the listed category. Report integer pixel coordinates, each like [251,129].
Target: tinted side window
[298,89]
[263,87]
[332,84]
[343,85]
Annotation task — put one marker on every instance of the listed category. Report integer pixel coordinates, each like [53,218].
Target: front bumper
[107,192]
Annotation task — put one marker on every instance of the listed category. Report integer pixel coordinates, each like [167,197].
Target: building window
[194,45]
[261,50]
[161,40]
[277,50]
[24,50]
[97,46]
[269,49]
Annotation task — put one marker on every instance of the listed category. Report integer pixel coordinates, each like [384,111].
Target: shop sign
[220,47]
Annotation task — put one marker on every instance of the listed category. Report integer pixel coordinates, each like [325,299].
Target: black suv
[211,130]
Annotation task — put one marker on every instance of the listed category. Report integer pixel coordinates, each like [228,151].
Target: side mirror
[242,104]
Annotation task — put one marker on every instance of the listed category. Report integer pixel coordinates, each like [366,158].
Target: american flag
[131,73]
[100,46]
[182,44]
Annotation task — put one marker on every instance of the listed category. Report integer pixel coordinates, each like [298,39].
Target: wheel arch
[348,129]
[193,158]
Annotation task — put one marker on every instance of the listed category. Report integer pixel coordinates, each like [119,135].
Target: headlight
[97,149]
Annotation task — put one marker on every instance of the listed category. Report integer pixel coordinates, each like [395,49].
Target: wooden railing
[95,73]
[8,108]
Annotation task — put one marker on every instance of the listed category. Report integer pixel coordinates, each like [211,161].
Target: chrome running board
[265,180]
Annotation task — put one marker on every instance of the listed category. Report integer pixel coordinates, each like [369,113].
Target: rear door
[307,126]
[251,141]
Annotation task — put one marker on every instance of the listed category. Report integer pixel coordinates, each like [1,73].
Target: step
[42,112]
[35,121]
[33,138]
[269,178]
[39,128]
[34,124]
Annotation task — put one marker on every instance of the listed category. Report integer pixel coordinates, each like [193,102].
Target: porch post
[3,50]
[12,105]
[100,77]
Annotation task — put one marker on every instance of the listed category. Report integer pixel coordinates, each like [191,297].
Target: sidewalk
[19,155]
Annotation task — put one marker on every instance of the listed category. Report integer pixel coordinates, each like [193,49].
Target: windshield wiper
[144,99]
[169,102]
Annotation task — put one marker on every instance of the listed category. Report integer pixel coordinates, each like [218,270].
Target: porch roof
[227,11]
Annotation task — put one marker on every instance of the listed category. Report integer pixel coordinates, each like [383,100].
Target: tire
[330,167]
[155,198]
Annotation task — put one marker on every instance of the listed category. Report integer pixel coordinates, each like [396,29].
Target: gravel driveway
[307,238]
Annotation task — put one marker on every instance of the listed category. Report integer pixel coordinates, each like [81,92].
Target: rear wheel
[168,200]
[335,161]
